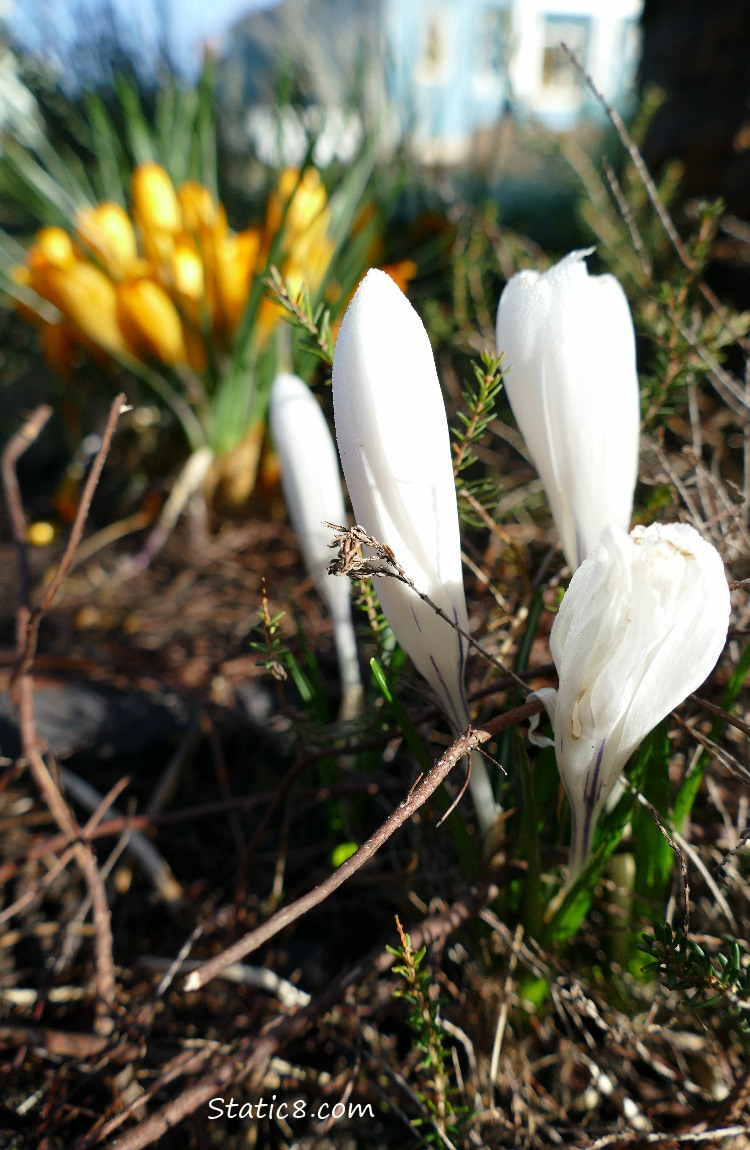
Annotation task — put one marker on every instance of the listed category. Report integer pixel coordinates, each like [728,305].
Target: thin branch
[253,1052]
[416,798]
[652,192]
[289,914]
[721,714]
[28,649]
[383,563]
[14,449]
[27,626]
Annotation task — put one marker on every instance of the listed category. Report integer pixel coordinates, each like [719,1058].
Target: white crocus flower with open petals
[393,440]
[642,624]
[311,483]
[569,347]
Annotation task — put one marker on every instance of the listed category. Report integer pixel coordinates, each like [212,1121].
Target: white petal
[547,696]
[570,348]
[393,440]
[311,482]
[641,626]
[682,580]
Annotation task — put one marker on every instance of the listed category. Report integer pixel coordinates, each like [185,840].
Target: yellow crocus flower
[52,247]
[155,202]
[106,229]
[150,321]
[308,261]
[187,272]
[86,297]
[305,200]
[201,214]
[156,210]
[306,246]
[188,279]
[237,258]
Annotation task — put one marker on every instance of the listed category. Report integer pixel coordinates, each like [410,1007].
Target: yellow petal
[108,231]
[308,260]
[87,298]
[52,247]
[308,205]
[237,259]
[200,211]
[298,204]
[155,203]
[187,272]
[150,321]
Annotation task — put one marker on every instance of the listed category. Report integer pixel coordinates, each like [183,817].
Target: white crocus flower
[569,346]
[311,483]
[642,624]
[392,434]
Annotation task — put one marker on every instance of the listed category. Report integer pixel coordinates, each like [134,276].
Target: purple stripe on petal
[591,791]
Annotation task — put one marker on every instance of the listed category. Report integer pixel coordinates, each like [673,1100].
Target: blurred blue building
[438,71]
[457,66]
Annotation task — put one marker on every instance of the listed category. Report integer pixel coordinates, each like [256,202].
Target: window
[558,73]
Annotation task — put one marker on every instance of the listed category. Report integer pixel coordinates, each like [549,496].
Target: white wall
[610,47]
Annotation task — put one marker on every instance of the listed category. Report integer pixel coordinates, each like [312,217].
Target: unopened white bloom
[569,345]
[642,624]
[392,434]
[311,483]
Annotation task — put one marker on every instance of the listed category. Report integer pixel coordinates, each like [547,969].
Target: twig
[383,563]
[23,439]
[259,977]
[652,192]
[416,798]
[624,208]
[27,627]
[289,914]
[731,719]
[187,484]
[253,1052]
[678,853]
[28,648]
[153,864]
[630,1137]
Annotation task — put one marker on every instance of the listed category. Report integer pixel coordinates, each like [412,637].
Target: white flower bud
[569,348]
[393,439]
[311,483]
[642,624]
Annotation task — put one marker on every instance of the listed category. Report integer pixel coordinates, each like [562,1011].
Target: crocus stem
[482,793]
[345,642]
[186,485]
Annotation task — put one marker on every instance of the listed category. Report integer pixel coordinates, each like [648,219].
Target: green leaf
[653,856]
[568,914]
[340,854]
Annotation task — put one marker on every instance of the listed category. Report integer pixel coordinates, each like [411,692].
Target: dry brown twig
[383,563]
[252,1054]
[652,192]
[416,798]
[28,621]
[290,913]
